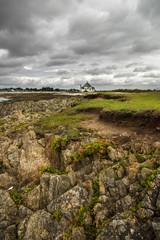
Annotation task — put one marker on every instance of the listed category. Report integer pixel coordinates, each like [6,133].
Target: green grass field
[134,102]
[69,122]
[70,119]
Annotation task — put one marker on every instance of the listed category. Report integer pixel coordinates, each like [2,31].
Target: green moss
[30,189]
[156,165]
[91,231]
[121,161]
[57,215]
[95,186]
[143,218]
[136,208]
[147,182]
[19,146]
[17,223]
[67,235]
[16,197]
[140,158]
[20,126]
[2,129]
[132,209]
[59,144]
[117,178]
[2,122]
[3,166]
[143,166]
[49,169]
[80,217]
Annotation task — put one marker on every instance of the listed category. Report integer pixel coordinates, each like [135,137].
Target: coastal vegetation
[131,102]
[68,181]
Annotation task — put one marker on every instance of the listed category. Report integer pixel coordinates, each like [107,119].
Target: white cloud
[64,43]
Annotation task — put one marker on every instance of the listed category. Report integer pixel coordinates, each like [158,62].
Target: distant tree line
[50,89]
[134,90]
[43,89]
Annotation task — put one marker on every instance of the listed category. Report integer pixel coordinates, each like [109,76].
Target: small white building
[87,88]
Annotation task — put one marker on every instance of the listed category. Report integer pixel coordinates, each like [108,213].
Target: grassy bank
[67,122]
[134,102]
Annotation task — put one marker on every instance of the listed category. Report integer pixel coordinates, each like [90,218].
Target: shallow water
[3,99]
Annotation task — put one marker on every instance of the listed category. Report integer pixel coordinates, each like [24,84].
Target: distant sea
[3,99]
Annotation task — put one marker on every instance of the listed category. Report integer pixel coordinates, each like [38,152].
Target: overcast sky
[64,43]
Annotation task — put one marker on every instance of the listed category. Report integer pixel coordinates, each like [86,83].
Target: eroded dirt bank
[102,185]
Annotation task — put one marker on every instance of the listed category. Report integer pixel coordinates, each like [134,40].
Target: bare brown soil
[107,124]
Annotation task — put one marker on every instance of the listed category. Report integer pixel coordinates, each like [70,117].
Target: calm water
[3,99]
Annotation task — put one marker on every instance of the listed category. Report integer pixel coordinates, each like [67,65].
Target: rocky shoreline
[56,187]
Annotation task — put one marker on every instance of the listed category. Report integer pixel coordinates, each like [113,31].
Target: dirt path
[107,129]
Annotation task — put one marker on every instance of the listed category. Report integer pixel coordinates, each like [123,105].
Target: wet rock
[7,181]
[124,203]
[78,234]
[145,213]
[122,190]
[24,212]
[8,211]
[97,208]
[70,202]
[114,154]
[106,180]
[144,173]
[120,172]
[87,219]
[33,199]
[156,227]
[133,187]
[156,145]
[132,159]
[125,229]
[53,186]
[32,157]
[132,174]
[39,226]
[10,233]
[101,217]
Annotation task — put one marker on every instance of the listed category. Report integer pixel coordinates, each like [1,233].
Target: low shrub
[49,169]
[57,215]
[59,144]
[99,148]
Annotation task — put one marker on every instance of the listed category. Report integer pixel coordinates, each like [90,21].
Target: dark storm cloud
[97,71]
[150,10]
[112,67]
[42,41]
[99,82]
[131,65]
[143,69]
[81,64]
[62,72]
[145,46]
[21,22]
[60,59]
[11,63]
[124,75]
[20,45]
[152,75]
[60,62]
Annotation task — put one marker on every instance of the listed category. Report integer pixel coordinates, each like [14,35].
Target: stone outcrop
[99,196]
